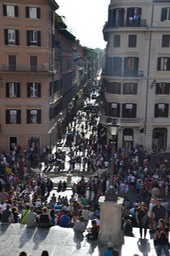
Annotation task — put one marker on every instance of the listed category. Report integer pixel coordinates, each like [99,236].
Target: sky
[85,20]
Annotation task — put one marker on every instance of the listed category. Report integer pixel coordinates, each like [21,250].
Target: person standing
[162,234]
[76,210]
[142,218]
[158,212]
[93,232]
[79,226]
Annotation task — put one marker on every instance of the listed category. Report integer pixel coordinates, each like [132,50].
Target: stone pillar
[110,221]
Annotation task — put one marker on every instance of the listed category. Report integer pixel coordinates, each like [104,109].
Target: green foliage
[59,23]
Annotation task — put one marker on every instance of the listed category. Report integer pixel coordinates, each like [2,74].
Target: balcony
[21,68]
[126,23]
[105,120]
[130,120]
[118,73]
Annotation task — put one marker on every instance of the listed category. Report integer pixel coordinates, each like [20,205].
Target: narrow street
[71,156]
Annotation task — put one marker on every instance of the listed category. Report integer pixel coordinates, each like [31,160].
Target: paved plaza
[15,238]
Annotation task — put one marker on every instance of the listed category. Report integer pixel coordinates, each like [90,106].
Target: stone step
[15,238]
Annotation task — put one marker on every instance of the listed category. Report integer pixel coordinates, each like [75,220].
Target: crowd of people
[25,197]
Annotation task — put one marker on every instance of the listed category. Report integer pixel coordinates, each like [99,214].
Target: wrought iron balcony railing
[20,68]
[107,119]
[130,22]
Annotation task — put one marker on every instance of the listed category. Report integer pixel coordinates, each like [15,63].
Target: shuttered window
[11,36]
[33,12]
[12,62]
[10,10]
[161,110]
[33,37]
[33,116]
[33,90]
[13,116]
[129,110]
[166,41]
[132,41]
[33,63]
[12,90]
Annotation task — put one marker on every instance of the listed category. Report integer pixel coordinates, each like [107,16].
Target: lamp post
[111,194]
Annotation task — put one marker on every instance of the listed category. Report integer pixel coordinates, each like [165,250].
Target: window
[116,41]
[12,62]
[33,12]
[134,16]
[11,36]
[129,88]
[116,17]
[33,37]
[113,66]
[13,116]
[33,90]
[33,63]
[113,88]
[131,66]
[114,110]
[129,110]
[165,40]
[161,110]
[132,41]
[33,116]
[165,14]
[12,89]
[133,11]
[162,88]
[10,10]
[33,142]
[163,64]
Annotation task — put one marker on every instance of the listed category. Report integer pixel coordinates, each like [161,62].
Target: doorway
[128,139]
[12,142]
[159,140]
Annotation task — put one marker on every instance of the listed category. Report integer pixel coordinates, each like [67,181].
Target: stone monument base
[111,221]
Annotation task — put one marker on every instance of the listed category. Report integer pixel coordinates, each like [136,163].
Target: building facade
[42,72]
[27,59]
[136,78]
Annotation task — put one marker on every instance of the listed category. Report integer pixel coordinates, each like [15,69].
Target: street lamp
[111,194]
